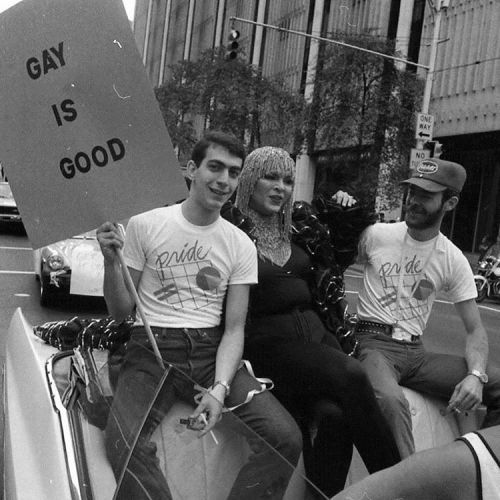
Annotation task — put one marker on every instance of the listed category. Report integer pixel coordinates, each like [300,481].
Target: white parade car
[57,402]
[73,266]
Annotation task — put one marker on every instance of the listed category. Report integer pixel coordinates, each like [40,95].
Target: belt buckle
[389,330]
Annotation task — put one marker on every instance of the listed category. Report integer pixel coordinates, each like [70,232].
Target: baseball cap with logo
[436,175]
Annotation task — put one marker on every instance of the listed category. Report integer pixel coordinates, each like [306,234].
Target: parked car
[70,267]
[56,403]
[8,208]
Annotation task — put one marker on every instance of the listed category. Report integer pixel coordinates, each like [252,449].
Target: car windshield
[192,467]
[5,191]
[86,236]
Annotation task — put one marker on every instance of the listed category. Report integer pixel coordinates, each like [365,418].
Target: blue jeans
[192,354]
[392,363]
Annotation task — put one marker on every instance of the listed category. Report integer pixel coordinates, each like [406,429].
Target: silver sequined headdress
[273,235]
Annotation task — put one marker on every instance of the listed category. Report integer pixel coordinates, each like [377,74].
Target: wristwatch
[224,384]
[481,376]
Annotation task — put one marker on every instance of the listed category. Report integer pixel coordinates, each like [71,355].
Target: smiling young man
[192,270]
[405,265]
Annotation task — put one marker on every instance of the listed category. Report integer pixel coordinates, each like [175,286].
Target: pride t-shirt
[403,275]
[186,269]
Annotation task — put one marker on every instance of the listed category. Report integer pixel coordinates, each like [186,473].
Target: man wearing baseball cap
[437,175]
[405,265]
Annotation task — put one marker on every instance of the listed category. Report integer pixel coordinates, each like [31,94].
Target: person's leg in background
[382,361]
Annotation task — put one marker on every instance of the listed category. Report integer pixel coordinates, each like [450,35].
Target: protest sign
[82,138]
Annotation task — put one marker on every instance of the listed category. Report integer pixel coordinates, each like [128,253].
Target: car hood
[70,247]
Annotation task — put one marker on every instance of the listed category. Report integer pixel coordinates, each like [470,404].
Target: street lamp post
[441,6]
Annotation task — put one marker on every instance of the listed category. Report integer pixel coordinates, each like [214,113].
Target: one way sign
[425,127]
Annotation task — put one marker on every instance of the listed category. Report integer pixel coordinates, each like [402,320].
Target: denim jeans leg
[438,374]
[136,389]
[435,374]
[491,397]
[275,452]
[381,360]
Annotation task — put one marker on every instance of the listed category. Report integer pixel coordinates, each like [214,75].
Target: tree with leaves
[362,112]
[364,109]
[232,96]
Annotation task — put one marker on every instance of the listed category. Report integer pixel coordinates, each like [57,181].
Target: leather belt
[163,332]
[377,328]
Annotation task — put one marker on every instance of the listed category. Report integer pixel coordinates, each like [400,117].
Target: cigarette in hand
[204,420]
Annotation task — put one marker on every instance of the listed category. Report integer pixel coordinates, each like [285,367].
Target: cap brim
[425,184]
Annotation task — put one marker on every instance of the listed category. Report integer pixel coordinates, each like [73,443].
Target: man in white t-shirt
[192,270]
[405,265]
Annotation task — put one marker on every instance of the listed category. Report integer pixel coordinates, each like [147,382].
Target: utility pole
[441,5]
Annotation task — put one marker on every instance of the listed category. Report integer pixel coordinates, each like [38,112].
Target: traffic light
[435,148]
[232,46]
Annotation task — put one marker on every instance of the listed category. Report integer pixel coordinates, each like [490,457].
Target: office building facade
[465,87]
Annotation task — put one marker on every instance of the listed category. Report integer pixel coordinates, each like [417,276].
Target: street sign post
[417,155]
[425,127]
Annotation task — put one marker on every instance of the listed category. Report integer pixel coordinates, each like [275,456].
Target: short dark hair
[227,141]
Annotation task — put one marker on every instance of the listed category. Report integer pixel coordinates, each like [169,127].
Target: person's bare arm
[228,354]
[445,473]
[119,300]
[469,392]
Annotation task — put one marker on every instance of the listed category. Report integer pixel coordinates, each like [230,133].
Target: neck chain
[271,244]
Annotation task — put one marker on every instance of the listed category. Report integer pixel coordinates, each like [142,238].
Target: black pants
[315,379]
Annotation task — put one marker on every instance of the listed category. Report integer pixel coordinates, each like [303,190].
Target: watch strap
[224,384]
[480,375]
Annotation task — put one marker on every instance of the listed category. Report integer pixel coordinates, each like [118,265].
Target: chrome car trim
[4,406]
[67,434]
